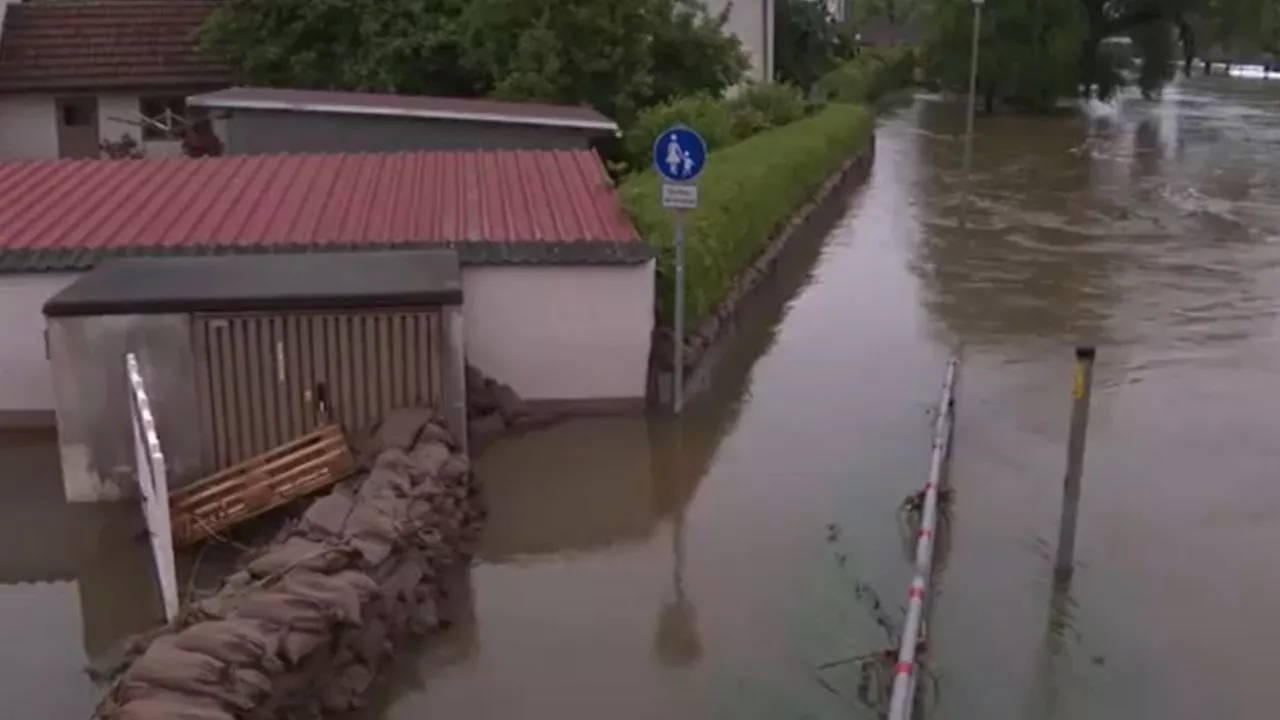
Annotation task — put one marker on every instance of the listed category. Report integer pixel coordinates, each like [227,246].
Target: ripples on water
[633,569]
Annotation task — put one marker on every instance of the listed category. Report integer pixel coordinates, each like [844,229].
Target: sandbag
[342,594]
[328,515]
[238,641]
[428,459]
[286,611]
[435,432]
[170,706]
[384,481]
[165,665]
[401,427]
[298,553]
[168,667]
[309,622]
[295,645]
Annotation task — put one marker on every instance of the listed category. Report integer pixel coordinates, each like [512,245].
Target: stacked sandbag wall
[494,409]
[304,628]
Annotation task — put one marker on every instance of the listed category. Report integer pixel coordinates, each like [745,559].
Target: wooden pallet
[251,488]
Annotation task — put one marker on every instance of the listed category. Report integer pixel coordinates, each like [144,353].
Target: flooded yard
[1148,228]
[706,567]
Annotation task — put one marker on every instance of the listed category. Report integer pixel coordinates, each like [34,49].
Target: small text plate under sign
[679,196]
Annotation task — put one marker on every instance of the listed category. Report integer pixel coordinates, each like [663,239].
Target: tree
[895,12]
[1154,45]
[615,56]
[1239,29]
[808,44]
[1038,50]
[692,52]
[406,46]
[1028,55]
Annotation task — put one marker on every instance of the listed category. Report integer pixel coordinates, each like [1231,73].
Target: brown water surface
[73,581]
[703,569]
[637,571]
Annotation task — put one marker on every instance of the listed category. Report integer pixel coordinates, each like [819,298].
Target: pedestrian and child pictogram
[679,154]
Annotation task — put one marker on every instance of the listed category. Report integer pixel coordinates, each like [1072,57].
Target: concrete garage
[558,286]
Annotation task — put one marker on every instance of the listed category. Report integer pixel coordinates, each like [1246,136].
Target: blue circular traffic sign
[679,153]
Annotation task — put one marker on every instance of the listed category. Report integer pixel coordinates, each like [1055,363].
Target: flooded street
[639,569]
[72,582]
[632,574]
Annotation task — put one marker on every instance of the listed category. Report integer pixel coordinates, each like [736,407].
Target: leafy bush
[767,105]
[869,76]
[720,122]
[747,193]
[710,116]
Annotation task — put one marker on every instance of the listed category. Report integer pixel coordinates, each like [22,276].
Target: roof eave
[471,253]
[174,86]
[601,126]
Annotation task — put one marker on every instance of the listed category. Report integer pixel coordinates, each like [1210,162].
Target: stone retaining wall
[304,628]
[702,338]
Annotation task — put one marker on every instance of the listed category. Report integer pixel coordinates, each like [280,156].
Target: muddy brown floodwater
[639,570]
[1152,229]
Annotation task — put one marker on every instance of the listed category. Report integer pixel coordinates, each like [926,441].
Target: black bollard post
[1081,394]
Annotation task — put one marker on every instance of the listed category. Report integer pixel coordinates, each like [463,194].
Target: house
[268,120]
[752,21]
[75,74]
[558,288]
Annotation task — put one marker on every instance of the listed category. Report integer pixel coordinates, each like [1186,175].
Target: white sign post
[679,155]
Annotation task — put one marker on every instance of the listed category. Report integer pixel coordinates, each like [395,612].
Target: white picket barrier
[907,670]
[153,482]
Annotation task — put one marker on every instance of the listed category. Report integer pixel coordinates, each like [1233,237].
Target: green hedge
[747,193]
[721,122]
[868,77]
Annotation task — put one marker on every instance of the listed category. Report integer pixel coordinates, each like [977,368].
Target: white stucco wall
[113,112]
[26,387]
[28,127]
[552,333]
[752,22]
[561,333]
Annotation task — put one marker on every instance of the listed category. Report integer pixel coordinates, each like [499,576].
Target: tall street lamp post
[973,103]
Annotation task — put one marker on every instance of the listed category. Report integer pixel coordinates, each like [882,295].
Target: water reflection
[677,642]
[586,598]
[1072,216]
[73,581]
[1031,262]
[642,569]
[1182,288]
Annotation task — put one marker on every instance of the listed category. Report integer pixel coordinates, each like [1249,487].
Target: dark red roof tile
[495,207]
[69,45]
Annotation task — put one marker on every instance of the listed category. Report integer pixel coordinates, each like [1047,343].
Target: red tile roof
[363,103]
[52,45]
[495,207]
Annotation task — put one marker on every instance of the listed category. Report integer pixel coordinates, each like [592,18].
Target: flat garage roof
[246,283]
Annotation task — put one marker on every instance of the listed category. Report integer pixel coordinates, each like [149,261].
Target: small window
[164,116]
[75,115]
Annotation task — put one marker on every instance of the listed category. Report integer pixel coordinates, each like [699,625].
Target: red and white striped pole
[906,672]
